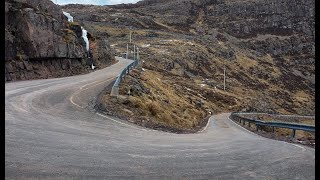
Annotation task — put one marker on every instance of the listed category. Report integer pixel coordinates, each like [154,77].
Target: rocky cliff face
[249,18]
[40,43]
[238,18]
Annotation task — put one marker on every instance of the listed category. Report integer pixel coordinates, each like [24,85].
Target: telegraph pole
[138,58]
[224,77]
[134,52]
[130,36]
[138,54]
[127,51]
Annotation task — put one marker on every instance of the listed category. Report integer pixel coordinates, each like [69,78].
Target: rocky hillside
[41,43]
[266,47]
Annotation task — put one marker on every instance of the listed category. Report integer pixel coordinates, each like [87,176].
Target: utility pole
[138,54]
[130,36]
[224,77]
[138,58]
[127,51]
[134,52]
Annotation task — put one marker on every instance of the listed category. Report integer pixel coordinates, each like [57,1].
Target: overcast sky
[95,2]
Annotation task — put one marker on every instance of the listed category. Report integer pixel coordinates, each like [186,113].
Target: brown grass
[69,35]
[173,88]
[246,62]
[164,104]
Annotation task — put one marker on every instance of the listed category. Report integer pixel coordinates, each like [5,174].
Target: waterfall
[70,18]
[84,33]
[85,38]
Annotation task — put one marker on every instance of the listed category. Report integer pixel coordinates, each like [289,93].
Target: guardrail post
[272,129]
[244,123]
[249,124]
[293,133]
[257,127]
[115,91]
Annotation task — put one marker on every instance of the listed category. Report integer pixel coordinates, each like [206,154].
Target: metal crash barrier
[259,123]
[120,77]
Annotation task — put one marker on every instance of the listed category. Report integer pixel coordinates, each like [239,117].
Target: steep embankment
[41,43]
[267,49]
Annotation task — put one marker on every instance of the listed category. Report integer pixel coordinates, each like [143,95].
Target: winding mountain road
[51,132]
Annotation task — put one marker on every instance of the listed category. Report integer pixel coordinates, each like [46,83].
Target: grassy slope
[182,71]
[183,89]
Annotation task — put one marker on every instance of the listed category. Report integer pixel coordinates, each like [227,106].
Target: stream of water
[84,33]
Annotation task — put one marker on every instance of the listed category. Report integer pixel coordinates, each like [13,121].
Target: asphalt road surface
[51,132]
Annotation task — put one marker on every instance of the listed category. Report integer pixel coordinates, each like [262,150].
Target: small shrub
[68,35]
[138,104]
[20,57]
[165,117]
[74,24]
[153,108]
[266,128]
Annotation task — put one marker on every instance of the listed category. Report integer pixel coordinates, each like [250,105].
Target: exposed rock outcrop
[37,33]
[38,29]
[238,18]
